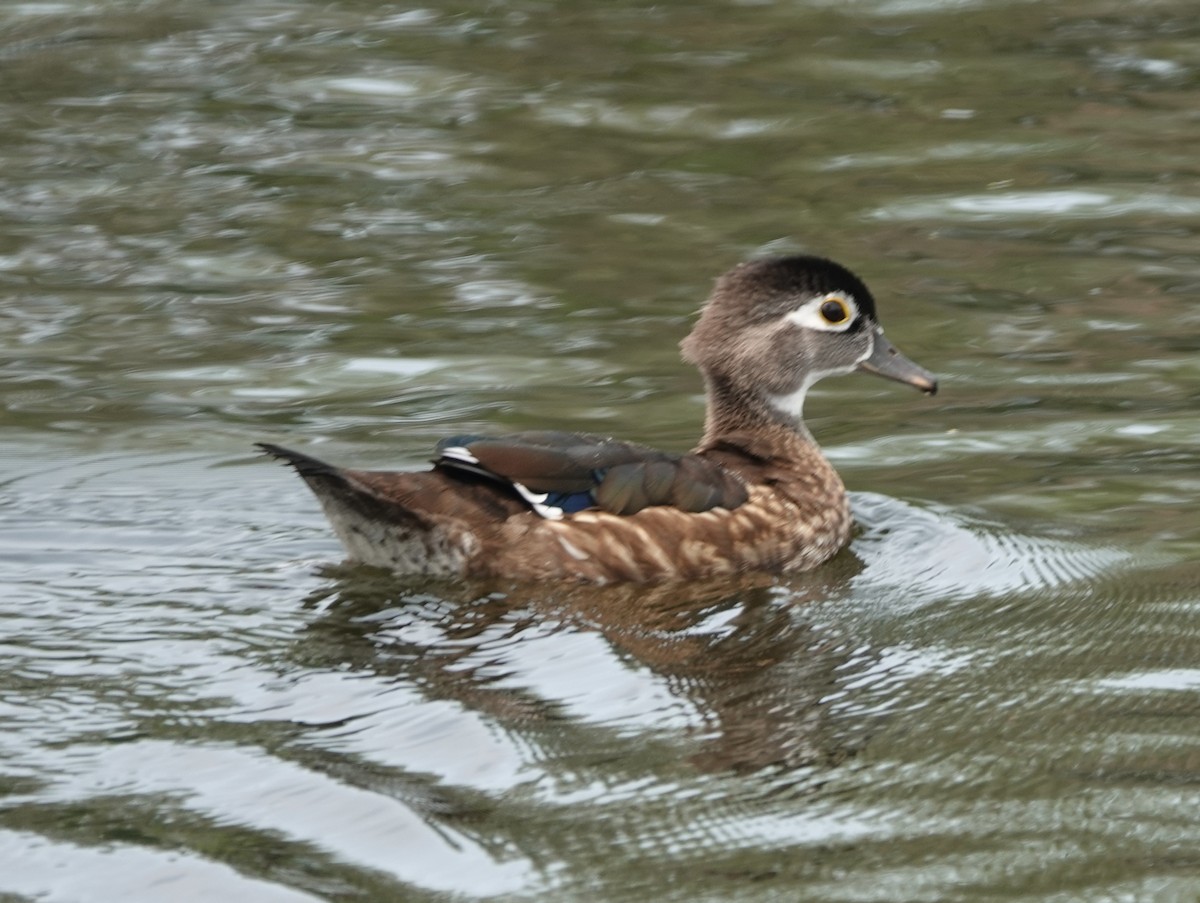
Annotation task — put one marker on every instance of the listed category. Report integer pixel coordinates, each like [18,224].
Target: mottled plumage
[757,494]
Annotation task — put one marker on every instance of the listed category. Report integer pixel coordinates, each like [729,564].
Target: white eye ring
[813,314]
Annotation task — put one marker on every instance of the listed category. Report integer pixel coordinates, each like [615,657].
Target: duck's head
[773,327]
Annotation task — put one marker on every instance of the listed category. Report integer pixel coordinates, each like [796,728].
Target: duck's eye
[835,311]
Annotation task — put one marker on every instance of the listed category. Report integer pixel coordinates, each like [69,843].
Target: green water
[355,228]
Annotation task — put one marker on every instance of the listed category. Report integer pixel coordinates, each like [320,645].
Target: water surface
[355,228]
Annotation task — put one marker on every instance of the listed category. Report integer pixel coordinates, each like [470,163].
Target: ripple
[56,870]
[956,150]
[269,796]
[1003,205]
[684,119]
[1169,679]
[934,554]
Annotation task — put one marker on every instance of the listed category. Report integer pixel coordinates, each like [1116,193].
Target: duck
[755,496]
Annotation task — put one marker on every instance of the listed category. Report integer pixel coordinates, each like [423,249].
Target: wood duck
[756,495]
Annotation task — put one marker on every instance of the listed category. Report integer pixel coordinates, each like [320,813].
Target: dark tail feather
[351,494]
[304,465]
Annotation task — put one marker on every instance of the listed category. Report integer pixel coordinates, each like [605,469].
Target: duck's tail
[339,489]
[304,465]
[414,523]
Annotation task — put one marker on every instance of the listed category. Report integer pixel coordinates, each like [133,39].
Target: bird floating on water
[756,495]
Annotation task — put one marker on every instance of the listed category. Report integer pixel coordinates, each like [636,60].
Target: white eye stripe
[809,316]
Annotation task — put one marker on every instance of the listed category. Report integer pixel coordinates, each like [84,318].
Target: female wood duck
[757,494]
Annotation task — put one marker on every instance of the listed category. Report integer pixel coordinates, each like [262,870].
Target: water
[355,228]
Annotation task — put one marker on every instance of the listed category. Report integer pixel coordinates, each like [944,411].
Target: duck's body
[756,495]
[786,513]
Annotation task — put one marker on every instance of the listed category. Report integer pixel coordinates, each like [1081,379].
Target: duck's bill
[886,360]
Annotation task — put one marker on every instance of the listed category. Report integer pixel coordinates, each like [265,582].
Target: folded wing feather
[577,470]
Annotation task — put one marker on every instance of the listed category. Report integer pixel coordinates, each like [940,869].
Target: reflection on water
[1002,205]
[468,739]
[359,227]
[731,668]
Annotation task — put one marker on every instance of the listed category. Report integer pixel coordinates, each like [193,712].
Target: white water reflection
[267,794]
[1171,679]
[954,151]
[971,559]
[58,871]
[1022,204]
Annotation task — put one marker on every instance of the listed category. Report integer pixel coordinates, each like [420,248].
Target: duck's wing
[559,473]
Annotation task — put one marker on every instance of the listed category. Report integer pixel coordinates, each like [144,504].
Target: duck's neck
[770,429]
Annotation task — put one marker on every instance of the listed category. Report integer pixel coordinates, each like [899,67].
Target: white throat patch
[791,403]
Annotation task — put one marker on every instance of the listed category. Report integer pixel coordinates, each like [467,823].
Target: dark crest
[774,282]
